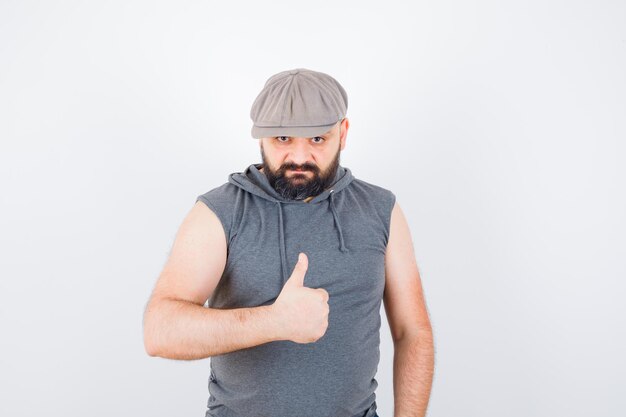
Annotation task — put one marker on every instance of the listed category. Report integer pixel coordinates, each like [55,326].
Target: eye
[280,138]
[319,137]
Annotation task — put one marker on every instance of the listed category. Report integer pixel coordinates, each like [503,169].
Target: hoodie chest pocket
[363,233]
[358,272]
[354,274]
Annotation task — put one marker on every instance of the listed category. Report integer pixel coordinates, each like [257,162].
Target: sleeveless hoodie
[344,232]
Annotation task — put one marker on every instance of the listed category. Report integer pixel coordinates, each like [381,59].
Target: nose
[299,151]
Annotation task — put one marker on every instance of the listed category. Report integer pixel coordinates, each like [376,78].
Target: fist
[301,312]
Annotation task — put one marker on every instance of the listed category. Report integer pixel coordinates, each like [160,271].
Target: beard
[298,185]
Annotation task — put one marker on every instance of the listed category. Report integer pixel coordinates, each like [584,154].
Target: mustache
[305,167]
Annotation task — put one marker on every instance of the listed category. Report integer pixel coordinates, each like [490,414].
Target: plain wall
[498,125]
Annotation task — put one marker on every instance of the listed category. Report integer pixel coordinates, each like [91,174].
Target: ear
[343,130]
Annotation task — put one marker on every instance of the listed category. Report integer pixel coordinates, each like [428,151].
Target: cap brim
[294,131]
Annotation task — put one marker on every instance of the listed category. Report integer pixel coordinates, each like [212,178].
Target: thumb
[297,276]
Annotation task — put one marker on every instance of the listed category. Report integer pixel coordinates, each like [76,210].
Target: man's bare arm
[176,323]
[180,329]
[405,305]
[299,314]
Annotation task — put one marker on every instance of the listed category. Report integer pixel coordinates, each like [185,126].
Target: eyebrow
[329,133]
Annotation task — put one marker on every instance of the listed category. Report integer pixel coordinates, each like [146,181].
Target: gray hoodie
[344,232]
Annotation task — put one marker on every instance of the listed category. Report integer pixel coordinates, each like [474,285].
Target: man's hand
[301,312]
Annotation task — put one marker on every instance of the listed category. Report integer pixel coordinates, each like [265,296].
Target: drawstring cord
[281,236]
[331,202]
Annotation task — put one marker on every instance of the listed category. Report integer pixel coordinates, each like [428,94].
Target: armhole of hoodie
[390,203]
[221,212]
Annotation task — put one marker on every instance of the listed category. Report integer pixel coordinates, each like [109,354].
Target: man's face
[298,168]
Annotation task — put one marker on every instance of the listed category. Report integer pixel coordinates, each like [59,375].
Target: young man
[294,256]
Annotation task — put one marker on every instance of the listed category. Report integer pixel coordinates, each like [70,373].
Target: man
[294,256]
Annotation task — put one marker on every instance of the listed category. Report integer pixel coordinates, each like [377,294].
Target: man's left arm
[414,355]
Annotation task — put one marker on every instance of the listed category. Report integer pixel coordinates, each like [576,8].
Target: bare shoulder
[403,296]
[197,259]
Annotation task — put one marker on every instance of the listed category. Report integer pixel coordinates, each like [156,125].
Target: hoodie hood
[255,182]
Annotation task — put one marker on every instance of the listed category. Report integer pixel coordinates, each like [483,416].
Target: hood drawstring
[281,234]
[281,238]
[331,203]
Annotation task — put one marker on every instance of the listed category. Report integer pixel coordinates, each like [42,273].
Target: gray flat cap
[299,103]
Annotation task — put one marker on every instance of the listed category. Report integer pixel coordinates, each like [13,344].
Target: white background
[498,125]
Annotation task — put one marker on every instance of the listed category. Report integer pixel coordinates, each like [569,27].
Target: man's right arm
[176,323]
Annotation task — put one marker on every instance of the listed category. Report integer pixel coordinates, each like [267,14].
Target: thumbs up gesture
[301,312]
